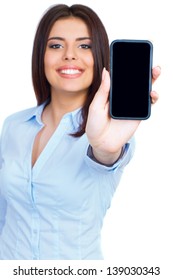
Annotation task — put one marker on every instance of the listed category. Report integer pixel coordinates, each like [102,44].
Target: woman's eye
[85,46]
[55,46]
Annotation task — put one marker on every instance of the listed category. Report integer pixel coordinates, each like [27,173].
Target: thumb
[101,96]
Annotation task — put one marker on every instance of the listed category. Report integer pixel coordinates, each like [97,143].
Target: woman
[62,160]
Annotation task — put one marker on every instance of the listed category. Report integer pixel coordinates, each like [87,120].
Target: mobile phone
[131,79]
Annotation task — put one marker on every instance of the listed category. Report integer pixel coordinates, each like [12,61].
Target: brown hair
[100,50]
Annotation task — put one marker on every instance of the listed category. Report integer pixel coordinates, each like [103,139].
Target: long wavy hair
[100,51]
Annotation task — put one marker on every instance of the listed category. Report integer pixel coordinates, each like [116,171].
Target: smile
[70,71]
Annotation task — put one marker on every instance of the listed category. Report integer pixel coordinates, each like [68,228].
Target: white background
[138,226]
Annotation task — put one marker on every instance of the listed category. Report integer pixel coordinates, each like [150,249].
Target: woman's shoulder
[18,117]
[23,115]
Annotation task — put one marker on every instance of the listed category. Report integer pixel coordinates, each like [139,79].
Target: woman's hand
[107,136]
[155,74]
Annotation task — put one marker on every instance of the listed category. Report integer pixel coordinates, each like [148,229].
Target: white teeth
[70,71]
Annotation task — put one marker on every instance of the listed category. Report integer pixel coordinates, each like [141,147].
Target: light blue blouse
[54,210]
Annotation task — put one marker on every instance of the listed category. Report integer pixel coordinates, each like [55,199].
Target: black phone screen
[131,76]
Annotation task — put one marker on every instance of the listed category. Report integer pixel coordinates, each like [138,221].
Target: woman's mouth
[70,72]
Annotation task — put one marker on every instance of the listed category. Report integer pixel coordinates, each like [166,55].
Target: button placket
[35,234]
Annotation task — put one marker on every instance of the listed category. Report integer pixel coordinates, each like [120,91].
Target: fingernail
[159,68]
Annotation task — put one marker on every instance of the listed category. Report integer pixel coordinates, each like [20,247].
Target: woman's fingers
[156,71]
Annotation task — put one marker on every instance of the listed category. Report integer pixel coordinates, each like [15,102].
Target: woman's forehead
[71,26]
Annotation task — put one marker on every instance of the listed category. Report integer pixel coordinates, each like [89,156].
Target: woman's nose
[70,54]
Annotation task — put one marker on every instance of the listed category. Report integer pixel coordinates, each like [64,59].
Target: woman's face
[68,57]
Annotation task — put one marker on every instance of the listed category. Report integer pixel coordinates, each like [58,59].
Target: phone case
[144,116]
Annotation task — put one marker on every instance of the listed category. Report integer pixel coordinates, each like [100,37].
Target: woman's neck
[59,106]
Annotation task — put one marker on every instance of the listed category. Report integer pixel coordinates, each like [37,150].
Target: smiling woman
[61,161]
[68,66]
[91,35]
[69,61]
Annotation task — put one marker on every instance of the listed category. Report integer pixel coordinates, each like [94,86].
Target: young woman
[62,160]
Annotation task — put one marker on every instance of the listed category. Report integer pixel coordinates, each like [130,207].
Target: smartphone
[131,79]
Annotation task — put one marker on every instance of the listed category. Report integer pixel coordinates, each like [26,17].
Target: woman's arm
[107,136]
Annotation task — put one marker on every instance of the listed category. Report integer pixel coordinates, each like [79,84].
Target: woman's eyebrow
[56,38]
[83,38]
[63,39]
